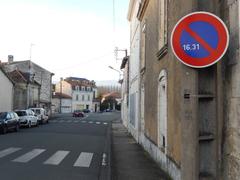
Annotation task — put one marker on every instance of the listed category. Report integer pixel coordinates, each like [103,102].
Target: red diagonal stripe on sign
[200,40]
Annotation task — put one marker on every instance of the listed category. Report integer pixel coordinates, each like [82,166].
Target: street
[68,148]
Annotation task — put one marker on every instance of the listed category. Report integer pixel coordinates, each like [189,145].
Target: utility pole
[60,110]
[30,55]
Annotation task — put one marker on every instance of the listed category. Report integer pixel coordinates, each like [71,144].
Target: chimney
[10,59]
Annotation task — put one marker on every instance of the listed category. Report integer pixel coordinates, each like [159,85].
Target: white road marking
[8,151]
[105,123]
[76,121]
[90,122]
[98,123]
[56,158]
[29,156]
[84,160]
[83,121]
[104,159]
[69,121]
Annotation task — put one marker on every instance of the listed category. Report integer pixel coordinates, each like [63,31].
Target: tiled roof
[61,95]
[17,77]
[80,82]
[76,78]
[20,77]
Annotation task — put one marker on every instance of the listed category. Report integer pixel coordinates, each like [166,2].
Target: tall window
[162,21]
[162,110]
[77,88]
[77,97]
[83,88]
[88,97]
[82,97]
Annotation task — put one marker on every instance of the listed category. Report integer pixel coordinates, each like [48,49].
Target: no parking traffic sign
[199,39]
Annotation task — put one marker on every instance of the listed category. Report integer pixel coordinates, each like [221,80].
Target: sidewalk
[129,160]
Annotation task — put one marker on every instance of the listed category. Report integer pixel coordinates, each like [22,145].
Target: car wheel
[29,124]
[17,128]
[4,130]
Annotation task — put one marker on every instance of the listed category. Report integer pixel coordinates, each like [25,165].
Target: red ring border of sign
[200,62]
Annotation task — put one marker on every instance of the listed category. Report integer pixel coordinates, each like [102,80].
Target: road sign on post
[199,39]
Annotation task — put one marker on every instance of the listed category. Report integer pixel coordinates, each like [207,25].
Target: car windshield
[37,111]
[21,113]
[3,115]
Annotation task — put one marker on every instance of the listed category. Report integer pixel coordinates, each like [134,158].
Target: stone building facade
[26,92]
[37,74]
[188,117]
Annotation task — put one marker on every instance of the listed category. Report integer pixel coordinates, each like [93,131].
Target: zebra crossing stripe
[97,122]
[90,122]
[105,123]
[57,158]
[29,156]
[84,160]
[8,151]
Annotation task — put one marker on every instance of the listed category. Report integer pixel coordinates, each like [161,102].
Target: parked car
[41,115]
[27,118]
[78,113]
[9,121]
[86,111]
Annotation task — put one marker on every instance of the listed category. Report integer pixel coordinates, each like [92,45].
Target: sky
[67,37]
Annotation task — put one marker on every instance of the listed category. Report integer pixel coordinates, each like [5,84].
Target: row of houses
[187,119]
[75,93]
[24,84]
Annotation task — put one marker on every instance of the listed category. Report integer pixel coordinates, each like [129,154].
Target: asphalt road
[67,148]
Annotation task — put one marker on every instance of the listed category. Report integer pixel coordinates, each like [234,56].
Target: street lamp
[120,73]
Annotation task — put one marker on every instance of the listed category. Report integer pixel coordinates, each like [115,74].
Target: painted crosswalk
[8,151]
[79,121]
[57,158]
[29,156]
[84,160]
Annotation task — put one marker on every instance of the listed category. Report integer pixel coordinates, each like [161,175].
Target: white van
[27,118]
[41,115]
